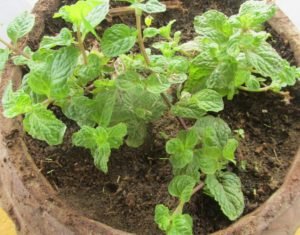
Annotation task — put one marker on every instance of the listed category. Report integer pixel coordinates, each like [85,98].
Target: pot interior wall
[138,178]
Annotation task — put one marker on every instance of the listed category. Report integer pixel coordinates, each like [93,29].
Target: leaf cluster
[235,53]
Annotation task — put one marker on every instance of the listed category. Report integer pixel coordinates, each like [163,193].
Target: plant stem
[47,102]
[174,4]
[169,104]
[14,49]
[263,89]
[138,16]
[81,46]
[285,94]
[198,187]
[179,208]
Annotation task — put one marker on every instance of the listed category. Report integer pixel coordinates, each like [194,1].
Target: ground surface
[137,180]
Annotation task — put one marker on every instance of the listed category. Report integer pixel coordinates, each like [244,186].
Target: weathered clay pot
[33,203]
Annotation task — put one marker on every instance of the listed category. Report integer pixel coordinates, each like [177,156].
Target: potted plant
[113,95]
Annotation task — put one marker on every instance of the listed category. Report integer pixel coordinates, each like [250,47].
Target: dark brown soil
[137,180]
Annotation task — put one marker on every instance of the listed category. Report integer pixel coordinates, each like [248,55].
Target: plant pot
[33,203]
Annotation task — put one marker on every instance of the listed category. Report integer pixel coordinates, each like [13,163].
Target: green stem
[263,89]
[14,49]
[81,46]
[179,208]
[169,104]
[186,54]
[198,187]
[47,102]
[138,17]
[267,88]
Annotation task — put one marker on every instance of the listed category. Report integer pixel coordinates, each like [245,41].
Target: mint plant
[113,94]
[235,55]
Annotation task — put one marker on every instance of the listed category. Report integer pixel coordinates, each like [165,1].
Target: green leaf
[150,32]
[187,111]
[118,40]
[64,38]
[213,131]
[151,6]
[76,12]
[79,109]
[181,224]
[35,98]
[166,48]
[181,160]
[136,107]
[137,131]
[178,64]
[208,100]
[143,104]
[241,76]
[20,26]
[22,60]
[15,103]
[192,169]
[209,159]
[100,141]
[198,104]
[174,146]
[116,135]
[181,148]
[182,187]
[85,14]
[190,46]
[4,55]
[265,60]
[189,138]
[104,106]
[159,63]
[129,80]
[226,190]
[165,31]
[201,68]
[49,76]
[101,156]
[254,13]
[252,83]
[62,67]
[178,78]
[213,24]
[157,84]
[229,149]
[95,16]
[92,70]
[38,78]
[221,77]
[87,137]
[42,124]
[287,76]
[243,41]
[162,217]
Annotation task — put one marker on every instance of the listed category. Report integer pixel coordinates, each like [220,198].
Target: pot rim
[34,204]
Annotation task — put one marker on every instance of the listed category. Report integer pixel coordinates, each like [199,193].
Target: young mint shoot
[113,92]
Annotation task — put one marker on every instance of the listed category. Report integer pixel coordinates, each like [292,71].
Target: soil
[125,198]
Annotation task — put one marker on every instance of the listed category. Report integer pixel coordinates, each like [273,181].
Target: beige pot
[33,203]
